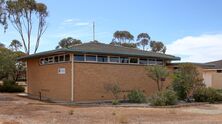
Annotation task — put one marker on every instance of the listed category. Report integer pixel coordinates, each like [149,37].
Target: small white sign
[61,71]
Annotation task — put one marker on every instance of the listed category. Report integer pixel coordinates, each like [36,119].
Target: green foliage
[24,15]
[143,39]
[68,42]
[136,96]
[115,102]
[10,86]
[157,46]
[9,66]
[114,89]
[164,98]
[123,36]
[15,45]
[185,80]
[158,74]
[204,94]
[129,45]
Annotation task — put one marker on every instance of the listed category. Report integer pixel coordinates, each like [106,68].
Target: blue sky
[170,21]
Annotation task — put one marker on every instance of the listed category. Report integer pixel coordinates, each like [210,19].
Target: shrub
[185,80]
[136,96]
[115,102]
[210,95]
[163,98]
[10,86]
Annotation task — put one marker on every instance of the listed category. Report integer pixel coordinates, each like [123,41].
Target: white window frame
[90,55]
[113,57]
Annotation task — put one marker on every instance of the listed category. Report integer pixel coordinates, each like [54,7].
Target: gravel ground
[18,110]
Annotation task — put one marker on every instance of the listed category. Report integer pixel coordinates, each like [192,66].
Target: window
[56,59]
[50,59]
[134,60]
[114,59]
[61,58]
[143,61]
[79,57]
[67,57]
[159,62]
[46,61]
[102,58]
[42,61]
[152,61]
[91,58]
[124,60]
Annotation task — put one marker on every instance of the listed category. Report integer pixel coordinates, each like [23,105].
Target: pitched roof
[101,48]
[218,64]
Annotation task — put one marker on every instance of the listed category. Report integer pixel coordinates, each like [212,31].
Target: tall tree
[15,45]
[68,42]
[143,40]
[22,15]
[2,45]
[123,36]
[3,15]
[157,46]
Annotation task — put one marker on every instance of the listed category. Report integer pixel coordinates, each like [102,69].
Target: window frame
[114,57]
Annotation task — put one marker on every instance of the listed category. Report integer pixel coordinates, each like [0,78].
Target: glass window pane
[50,59]
[42,61]
[152,61]
[159,62]
[102,58]
[79,57]
[67,57]
[61,58]
[90,58]
[46,61]
[133,60]
[56,59]
[143,61]
[124,60]
[114,59]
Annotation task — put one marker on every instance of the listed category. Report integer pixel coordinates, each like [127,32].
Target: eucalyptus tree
[68,42]
[3,15]
[157,46]
[24,15]
[123,36]
[143,40]
[15,45]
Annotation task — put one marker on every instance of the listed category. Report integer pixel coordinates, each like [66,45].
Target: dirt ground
[18,110]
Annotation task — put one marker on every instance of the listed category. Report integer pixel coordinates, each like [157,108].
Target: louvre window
[91,58]
[114,59]
[124,60]
[143,61]
[79,57]
[102,59]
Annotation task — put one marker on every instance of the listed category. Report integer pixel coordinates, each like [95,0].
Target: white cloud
[82,24]
[203,48]
[74,22]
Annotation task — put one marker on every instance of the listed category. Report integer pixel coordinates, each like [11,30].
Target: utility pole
[94,37]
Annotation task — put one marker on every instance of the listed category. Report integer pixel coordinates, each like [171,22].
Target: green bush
[115,102]
[164,98]
[136,96]
[210,95]
[10,87]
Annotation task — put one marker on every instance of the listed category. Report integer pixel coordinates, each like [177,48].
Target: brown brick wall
[45,79]
[90,79]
